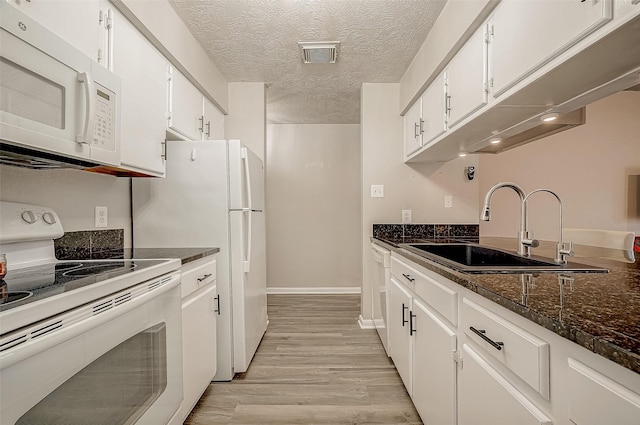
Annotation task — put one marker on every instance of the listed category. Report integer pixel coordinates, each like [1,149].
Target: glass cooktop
[31,284]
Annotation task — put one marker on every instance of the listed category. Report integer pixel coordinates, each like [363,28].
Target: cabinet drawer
[441,298]
[590,391]
[198,276]
[520,351]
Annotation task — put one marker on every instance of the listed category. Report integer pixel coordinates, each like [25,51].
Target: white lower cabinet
[399,335]
[485,397]
[507,370]
[434,367]
[596,399]
[200,307]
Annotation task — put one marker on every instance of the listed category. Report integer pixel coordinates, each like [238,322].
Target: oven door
[117,360]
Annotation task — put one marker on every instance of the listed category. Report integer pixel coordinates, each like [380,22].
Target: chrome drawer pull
[411,322]
[481,333]
[408,277]
[205,277]
[217,298]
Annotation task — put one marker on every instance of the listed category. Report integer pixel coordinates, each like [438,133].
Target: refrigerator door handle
[245,163]
[247,261]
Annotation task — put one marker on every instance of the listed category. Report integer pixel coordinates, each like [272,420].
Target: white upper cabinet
[412,128]
[143,71]
[213,122]
[528,34]
[75,21]
[185,113]
[434,111]
[466,79]
[191,115]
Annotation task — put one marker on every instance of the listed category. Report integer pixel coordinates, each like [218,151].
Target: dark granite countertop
[599,311]
[186,255]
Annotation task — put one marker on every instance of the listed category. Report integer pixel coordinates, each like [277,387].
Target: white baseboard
[366,323]
[329,290]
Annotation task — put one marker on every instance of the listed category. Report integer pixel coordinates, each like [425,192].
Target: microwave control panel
[104,131]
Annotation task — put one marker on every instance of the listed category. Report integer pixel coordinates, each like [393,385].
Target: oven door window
[116,389]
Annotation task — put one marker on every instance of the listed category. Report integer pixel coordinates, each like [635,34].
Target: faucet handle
[563,252]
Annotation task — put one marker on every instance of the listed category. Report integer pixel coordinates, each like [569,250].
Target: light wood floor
[314,366]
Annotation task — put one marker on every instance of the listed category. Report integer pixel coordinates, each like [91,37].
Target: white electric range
[96,341]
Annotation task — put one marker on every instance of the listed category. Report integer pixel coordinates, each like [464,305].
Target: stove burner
[60,267]
[89,270]
[10,297]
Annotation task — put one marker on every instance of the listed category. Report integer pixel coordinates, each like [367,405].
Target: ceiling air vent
[319,51]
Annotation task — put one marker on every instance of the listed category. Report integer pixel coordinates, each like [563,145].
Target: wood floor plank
[314,366]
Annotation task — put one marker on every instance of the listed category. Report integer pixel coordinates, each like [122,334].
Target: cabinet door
[486,397]
[597,399]
[466,78]
[401,341]
[213,122]
[185,115]
[433,110]
[528,34]
[143,119]
[412,129]
[199,346]
[75,21]
[434,369]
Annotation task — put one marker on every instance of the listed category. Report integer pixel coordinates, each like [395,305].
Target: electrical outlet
[448,201]
[406,216]
[377,191]
[101,217]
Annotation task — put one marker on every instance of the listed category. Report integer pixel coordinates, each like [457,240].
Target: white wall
[594,168]
[313,206]
[72,194]
[417,187]
[247,119]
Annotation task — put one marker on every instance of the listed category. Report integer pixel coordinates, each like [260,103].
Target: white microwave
[53,98]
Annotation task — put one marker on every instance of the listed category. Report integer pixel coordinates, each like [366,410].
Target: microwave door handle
[245,162]
[89,95]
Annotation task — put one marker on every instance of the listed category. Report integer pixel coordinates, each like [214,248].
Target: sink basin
[472,258]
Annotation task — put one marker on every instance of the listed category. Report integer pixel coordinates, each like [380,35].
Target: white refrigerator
[213,196]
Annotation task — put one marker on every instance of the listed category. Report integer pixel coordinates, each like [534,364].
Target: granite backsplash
[90,244]
[425,231]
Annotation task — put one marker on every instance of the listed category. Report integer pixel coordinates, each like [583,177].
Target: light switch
[377,191]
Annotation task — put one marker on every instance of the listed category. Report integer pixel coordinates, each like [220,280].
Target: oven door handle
[61,332]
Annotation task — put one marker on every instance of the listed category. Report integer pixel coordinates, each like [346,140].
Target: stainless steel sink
[473,258]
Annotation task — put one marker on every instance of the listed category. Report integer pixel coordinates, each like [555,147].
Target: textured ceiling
[256,40]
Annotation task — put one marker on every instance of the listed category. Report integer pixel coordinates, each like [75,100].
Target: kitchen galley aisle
[314,365]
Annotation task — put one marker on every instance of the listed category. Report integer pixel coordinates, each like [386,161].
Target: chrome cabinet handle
[201,128]
[481,333]
[421,126]
[411,322]
[404,321]
[408,277]
[208,128]
[200,279]
[217,310]
[416,129]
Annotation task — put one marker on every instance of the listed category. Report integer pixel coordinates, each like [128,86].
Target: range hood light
[495,140]
[550,117]
[461,154]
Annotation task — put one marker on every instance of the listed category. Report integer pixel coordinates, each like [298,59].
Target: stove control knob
[29,217]
[49,218]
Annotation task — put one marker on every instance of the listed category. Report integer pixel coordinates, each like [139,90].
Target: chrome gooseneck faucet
[561,251]
[524,242]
